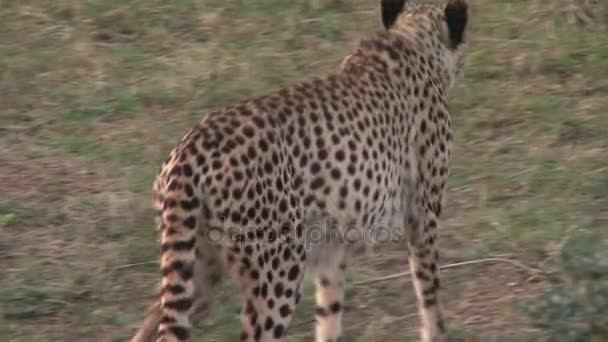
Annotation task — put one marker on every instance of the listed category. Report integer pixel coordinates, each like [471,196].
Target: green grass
[96,93]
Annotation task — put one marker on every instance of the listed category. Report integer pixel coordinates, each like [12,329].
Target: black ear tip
[390,11]
[456,16]
[457,4]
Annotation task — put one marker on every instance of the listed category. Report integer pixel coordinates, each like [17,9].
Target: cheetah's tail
[178,221]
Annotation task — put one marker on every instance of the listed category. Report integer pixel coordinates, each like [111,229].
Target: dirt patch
[479,298]
[485,296]
[37,176]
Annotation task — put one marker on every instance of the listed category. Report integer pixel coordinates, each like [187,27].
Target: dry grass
[95,93]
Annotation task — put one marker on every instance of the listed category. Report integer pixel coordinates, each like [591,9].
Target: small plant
[7,219]
[576,308]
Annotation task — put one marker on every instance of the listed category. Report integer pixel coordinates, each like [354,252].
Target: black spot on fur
[180,332]
[278,331]
[335,307]
[285,310]
[294,271]
[269,323]
[179,305]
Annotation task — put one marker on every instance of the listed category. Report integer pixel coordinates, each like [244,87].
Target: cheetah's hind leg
[269,276]
[329,295]
[423,258]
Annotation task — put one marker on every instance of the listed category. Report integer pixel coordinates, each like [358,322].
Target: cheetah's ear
[456,17]
[390,11]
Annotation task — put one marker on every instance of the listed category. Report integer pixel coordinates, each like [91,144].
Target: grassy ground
[95,93]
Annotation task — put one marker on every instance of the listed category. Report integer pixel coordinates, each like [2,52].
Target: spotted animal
[365,146]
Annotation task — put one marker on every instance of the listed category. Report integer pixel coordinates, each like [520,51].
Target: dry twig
[529,269]
[135,264]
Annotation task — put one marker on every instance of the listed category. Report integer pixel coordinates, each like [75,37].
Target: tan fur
[269,188]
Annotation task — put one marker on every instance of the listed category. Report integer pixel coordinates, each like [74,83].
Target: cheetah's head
[448,23]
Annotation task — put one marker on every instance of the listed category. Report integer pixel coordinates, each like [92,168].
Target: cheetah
[367,145]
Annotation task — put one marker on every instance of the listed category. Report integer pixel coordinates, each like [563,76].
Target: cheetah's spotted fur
[365,146]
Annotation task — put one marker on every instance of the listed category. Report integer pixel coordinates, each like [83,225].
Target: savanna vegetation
[95,93]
